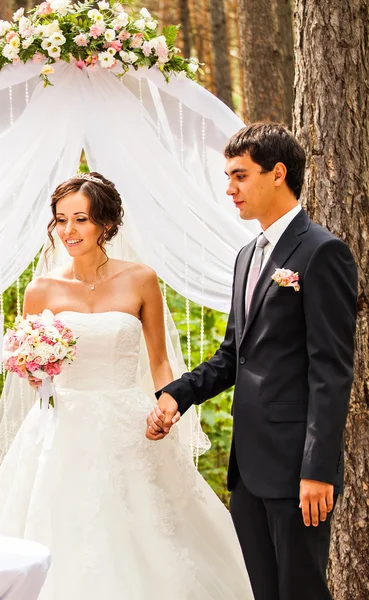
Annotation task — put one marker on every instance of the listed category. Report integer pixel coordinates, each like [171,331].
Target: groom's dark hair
[268,144]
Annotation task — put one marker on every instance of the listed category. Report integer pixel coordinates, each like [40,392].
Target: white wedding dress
[125,518]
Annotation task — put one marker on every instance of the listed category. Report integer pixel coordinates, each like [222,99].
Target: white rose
[4,27]
[152,25]
[60,6]
[106,59]
[26,43]
[54,51]
[109,35]
[51,332]
[103,5]
[140,24]
[18,14]
[182,75]
[59,351]
[57,39]
[145,13]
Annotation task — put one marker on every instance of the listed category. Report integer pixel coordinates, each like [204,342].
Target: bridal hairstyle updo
[106,209]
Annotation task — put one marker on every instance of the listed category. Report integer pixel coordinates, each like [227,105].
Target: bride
[125,518]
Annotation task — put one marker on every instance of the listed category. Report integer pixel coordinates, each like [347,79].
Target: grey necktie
[255,269]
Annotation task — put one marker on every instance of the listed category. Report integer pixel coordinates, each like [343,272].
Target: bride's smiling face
[74,226]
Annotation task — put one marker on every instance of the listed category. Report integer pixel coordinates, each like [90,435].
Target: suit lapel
[242,271]
[286,245]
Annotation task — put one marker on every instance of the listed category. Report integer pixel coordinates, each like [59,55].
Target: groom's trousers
[285,559]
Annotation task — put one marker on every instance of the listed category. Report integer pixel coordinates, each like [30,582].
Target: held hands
[162,417]
[316,501]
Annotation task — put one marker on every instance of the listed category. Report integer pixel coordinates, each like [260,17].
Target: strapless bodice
[107,354]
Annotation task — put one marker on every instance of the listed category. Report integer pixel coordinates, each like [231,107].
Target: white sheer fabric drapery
[160,143]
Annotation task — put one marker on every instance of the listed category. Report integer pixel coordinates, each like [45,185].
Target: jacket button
[242,360]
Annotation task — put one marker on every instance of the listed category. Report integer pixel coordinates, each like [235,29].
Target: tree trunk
[222,74]
[7,8]
[267,58]
[184,17]
[331,116]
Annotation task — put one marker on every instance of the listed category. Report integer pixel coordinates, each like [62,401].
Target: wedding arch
[161,143]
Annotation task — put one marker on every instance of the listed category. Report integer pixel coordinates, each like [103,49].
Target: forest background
[304,63]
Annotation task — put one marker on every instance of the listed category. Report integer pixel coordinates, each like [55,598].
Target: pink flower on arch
[44,9]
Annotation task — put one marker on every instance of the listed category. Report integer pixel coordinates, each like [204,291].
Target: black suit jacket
[291,363]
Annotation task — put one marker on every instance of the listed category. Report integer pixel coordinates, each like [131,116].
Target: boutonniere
[286,278]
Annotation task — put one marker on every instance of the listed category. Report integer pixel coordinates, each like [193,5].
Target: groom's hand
[162,417]
[316,501]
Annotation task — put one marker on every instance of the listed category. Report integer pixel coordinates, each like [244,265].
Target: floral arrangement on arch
[60,30]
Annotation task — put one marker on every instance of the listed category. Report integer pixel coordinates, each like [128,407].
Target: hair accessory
[88,177]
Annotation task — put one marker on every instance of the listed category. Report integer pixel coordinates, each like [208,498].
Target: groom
[289,351]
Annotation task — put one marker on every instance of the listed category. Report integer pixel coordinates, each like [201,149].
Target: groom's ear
[279,173]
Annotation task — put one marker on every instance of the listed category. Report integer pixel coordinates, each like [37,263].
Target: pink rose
[80,64]
[286,278]
[44,9]
[53,369]
[116,45]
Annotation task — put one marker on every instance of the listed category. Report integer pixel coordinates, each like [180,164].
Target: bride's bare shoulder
[37,292]
[139,271]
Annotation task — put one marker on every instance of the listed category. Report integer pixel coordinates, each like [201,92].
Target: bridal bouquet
[39,346]
[107,35]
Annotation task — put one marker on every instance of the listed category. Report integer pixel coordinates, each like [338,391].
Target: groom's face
[251,188]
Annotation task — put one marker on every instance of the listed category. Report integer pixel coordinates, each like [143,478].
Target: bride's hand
[34,382]
[160,420]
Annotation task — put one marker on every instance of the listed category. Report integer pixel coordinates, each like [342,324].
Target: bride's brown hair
[106,209]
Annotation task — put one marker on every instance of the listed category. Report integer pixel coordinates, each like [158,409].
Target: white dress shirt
[273,235]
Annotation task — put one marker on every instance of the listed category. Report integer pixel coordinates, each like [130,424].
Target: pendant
[92,287]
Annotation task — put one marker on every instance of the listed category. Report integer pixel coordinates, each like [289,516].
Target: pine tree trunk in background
[7,8]
[267,59]
[331,117]
[222,74]
[184,18]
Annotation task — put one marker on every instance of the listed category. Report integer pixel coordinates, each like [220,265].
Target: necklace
[90,285]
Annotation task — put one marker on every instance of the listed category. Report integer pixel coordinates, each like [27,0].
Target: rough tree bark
[222,73]
[267,58]
[7,8]
[184,17]
[331,118]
